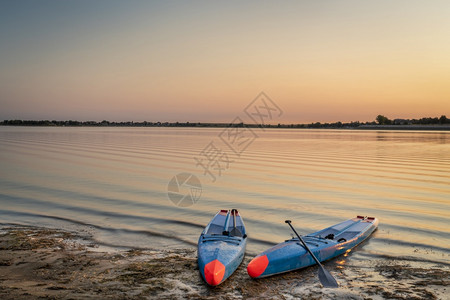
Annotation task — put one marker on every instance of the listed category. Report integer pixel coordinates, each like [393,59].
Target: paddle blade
[235,232]
[326,278]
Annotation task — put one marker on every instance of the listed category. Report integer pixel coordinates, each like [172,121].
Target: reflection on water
[113,182]
[342,260]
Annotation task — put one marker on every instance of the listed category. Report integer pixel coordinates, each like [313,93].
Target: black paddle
[325,277]
[235,231]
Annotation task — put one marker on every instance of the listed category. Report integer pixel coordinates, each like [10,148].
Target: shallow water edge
[40,262]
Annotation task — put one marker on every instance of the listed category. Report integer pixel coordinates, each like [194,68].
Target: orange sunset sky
[204,61]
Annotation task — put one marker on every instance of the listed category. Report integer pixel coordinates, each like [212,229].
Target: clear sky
[206,60]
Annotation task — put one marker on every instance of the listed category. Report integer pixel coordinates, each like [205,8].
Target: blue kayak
[221,246]
[325,244]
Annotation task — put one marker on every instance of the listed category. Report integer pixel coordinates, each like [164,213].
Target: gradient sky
[206,60]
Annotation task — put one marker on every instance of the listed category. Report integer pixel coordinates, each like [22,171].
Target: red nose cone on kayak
[257,266]
[214,272]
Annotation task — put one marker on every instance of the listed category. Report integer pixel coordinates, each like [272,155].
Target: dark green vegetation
[380,120]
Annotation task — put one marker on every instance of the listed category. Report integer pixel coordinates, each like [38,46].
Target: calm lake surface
[113,184]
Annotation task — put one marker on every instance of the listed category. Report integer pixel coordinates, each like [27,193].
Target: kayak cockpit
[227,223]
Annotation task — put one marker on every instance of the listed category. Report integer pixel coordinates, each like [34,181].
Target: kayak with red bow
[325,244]
[221,246]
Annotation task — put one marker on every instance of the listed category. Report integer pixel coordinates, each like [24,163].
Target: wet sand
[55,264]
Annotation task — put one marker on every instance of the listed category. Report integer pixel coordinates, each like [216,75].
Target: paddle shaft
[325,277]
[304,244]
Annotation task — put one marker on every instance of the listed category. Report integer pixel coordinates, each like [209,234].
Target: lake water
[113,184]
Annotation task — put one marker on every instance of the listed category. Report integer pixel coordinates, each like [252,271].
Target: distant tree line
[177,124]
[105,123]
[380,120]
[93,123]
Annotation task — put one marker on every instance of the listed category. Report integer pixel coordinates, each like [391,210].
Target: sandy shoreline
[55,264]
